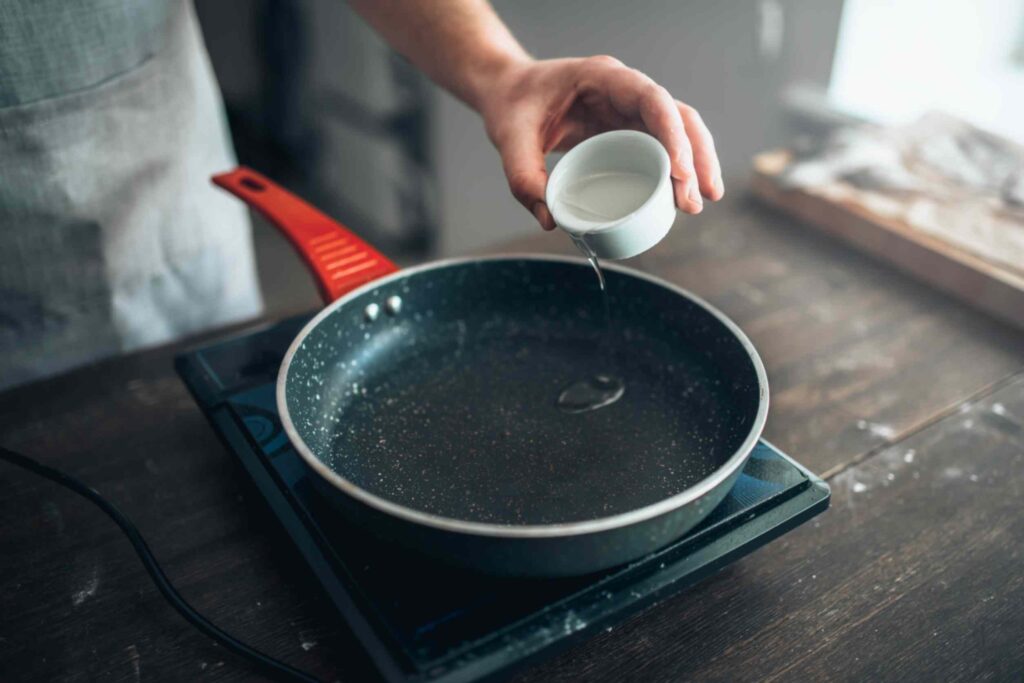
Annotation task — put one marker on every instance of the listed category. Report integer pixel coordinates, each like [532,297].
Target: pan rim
[556,530]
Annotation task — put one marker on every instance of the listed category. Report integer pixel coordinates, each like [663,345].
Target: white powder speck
[876,429]
[973,477]
[858,487]
[908,457]
[88,590]
[999,409]
[136,661]
[573,622]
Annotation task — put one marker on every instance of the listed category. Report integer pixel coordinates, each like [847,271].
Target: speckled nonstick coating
[436,425]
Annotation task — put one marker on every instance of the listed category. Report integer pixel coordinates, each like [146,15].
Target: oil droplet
[590,394]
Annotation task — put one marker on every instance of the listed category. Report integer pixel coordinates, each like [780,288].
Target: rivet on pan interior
[393,305]
[371,312]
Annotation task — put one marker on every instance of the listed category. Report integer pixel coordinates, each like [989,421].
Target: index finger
[635,95]
[523,160]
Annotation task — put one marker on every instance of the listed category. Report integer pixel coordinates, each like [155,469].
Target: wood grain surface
[988,285]
[911,404]
[914,574]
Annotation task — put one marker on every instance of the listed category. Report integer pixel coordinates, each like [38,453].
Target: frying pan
[425,401]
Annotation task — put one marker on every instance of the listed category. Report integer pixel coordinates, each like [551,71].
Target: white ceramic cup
[614,193]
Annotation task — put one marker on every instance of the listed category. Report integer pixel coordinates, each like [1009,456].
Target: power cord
[273,668]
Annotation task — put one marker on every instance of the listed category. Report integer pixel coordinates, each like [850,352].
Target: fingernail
[694,194]
[719,187]
[543,216]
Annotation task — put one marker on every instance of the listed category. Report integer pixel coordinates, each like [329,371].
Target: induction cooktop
[420,620]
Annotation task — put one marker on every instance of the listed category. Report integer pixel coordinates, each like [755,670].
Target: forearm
[531,107]
[462,45]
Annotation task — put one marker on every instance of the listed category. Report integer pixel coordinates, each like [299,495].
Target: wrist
[492,74]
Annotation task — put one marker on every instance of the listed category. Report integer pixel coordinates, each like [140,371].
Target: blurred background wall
[730,60]
[319,102]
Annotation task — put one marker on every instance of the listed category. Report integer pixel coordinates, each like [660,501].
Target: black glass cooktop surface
[423,621]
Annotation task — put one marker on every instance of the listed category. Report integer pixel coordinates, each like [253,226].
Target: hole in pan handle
[338,259]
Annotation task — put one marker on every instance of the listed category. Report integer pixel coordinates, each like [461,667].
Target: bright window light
[896,59]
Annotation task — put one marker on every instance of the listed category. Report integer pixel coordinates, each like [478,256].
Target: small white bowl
[614,193]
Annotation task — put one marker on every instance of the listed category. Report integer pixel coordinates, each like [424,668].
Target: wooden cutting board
[994,284]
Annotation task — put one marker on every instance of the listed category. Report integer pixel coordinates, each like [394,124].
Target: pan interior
[449,405]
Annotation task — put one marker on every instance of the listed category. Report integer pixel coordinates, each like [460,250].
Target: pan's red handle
[340,261]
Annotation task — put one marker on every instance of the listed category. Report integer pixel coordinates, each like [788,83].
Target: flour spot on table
[136,662]
[88,588]
[882,431]
[881,471]
[855,361]
[307,640]
[953,473]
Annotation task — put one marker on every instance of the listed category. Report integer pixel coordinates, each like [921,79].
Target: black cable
[272,667]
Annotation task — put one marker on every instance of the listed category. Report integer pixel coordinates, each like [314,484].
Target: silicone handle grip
[339,260]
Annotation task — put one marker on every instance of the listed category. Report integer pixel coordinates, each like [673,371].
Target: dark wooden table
[911,405]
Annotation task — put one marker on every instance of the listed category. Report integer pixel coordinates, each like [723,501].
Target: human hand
[534,107]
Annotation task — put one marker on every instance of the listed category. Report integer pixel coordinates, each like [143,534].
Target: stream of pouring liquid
[605,387]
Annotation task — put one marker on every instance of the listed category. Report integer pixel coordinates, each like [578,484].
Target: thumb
[523,159]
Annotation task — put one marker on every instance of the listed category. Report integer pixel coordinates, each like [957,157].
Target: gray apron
[111,237]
